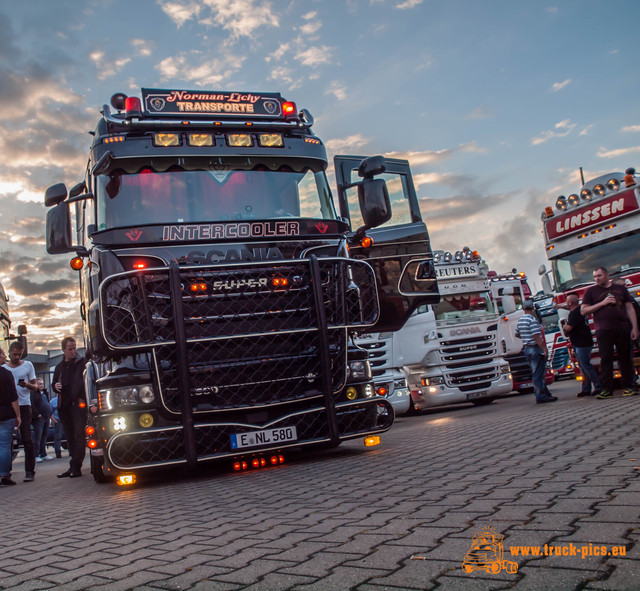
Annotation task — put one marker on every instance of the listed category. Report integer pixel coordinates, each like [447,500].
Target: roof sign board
[599,212]
[211,102]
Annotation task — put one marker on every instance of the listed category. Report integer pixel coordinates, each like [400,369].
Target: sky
[495,103]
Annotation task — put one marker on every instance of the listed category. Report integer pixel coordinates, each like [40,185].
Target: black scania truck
[220,287]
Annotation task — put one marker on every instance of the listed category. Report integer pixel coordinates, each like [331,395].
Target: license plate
[480,394]
[263,437]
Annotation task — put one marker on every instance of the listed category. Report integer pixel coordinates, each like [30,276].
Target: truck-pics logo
[487,553]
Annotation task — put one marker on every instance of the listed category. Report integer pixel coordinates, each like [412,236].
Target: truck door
[401,253]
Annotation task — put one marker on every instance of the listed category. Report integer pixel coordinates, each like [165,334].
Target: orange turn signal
[366,242]
[76,263]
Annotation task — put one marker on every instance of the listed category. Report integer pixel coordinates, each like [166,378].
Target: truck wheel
[482,401]
[467,568]
[495,567]
[96,469]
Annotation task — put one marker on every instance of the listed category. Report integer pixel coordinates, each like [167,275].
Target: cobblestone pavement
[401,516]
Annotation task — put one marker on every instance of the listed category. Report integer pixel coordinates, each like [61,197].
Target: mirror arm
[80,197]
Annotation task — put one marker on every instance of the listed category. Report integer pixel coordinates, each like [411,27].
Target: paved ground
[401,516]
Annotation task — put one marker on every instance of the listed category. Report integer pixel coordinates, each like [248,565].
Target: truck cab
[221,286]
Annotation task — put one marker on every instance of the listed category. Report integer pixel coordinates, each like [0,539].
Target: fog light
[126,479]
[352,393]
[372,440]
[119,423]
[145,420]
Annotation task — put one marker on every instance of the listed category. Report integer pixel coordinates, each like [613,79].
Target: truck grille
[251,331]
[469,362]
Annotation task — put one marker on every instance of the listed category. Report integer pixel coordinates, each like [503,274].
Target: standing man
[9,419]
[25,378]
[576,328]
[615,326]
[68,382]
[535,351]
[41,428]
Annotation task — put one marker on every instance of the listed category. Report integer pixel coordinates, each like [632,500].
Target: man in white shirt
[24,375]
[535,351]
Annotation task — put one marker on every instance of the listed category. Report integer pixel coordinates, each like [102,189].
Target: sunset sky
[496,104]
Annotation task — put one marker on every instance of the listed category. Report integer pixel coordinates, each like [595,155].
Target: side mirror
[546,284]
[375,206]
[371,166]
[55,194]
[542,270]
[58,231]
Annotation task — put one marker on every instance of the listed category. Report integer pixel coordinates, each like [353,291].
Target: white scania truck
[450,352]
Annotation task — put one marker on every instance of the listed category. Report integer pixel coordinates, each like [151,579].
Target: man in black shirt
[68,382]
[9,418]
[615,326]
[576,328]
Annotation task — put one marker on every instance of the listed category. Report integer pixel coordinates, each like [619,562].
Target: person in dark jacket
[41,424]
[9,419]
[68,382]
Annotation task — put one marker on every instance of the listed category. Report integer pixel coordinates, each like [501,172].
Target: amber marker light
[382,391]
[280,282]
[366,242]
[76,263]
[90,430]
[92,444]
[372,440]
[82,404]
[198,286]
[126,479]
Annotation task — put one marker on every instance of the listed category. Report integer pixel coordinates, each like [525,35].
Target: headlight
[504,369]
[434,381]
[561,203]
[111,398]
[359,370]
[368,391]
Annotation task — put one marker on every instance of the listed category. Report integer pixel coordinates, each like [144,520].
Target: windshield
[577,269]
[549,319]
[185,196]
[462,307]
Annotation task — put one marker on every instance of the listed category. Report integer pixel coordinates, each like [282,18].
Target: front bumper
[164,446]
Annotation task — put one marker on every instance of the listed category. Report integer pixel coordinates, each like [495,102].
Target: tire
[467,568]
[495,568]
[482,401]
[96,469]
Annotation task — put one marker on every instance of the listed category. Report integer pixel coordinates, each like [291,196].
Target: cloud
[107,66]
[197,67]
[562,129]
[480,113]
[407,4]
[631,128]
[337,89]
[556,86]
[241,17]
[432,156]
[315,56]
[279,53]
[25,287]
[179,12]
[142,47]
[604,153]
[352,142]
